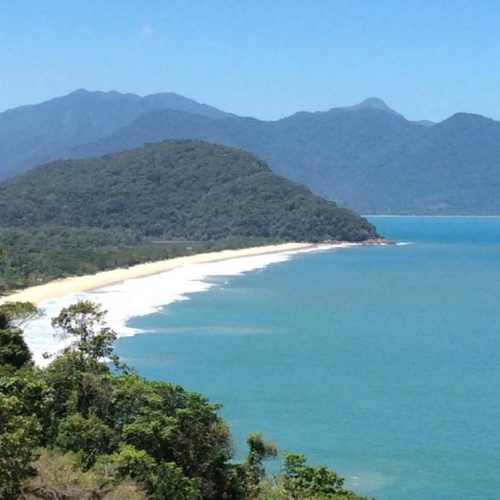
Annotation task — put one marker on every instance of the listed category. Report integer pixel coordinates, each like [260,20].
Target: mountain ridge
[37,133]
[367,156]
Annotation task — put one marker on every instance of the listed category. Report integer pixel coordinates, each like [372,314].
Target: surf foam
[143,296]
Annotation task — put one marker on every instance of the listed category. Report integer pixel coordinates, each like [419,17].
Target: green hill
[176,190]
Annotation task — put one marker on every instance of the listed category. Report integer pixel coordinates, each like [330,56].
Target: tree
[13,349]
[87,437]
[258,450]
[174,485]
[17,313]
[301,480]
[18,442]
[85,321]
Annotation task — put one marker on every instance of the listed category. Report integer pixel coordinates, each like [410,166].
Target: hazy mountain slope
[33,134]
[325,151]
[452,167]
[176,189]
[366,157]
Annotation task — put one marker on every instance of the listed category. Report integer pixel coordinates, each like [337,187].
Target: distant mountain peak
[373,103]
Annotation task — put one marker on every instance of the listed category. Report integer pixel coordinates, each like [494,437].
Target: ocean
[380,362]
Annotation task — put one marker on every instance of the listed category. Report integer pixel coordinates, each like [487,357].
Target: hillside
[366,157]
[33,134]
[176,190]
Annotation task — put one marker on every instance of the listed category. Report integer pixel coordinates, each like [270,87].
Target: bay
[381,362]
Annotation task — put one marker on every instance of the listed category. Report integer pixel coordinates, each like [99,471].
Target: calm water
[383,363]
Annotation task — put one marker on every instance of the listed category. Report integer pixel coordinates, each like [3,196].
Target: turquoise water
[382,362]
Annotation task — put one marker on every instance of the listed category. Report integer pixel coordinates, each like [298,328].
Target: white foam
[142,296]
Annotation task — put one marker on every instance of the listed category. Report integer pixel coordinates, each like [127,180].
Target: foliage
[16,313]
[37,255]
[18,443]
[301,480]
[259,450]
[84,320]
[176,190]
[109,434]
[58,476]
[13,350]
[174,485]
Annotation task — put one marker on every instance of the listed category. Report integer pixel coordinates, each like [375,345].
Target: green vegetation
[160,201]
[34,256]
[79,429]
[176,190]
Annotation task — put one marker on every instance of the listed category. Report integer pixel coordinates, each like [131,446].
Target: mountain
[176,190]
[334,153]
[37,133]
[373,103]
[367,157]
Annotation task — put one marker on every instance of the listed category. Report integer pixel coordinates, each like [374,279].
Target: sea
[382,362]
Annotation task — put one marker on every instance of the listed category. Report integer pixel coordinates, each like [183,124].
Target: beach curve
[73,284]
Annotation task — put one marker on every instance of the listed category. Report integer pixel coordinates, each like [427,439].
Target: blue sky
[427,58]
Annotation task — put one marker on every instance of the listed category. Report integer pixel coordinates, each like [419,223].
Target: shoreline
[74,284]
[147,288]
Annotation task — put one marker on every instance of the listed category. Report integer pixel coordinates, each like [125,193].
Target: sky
[427,59]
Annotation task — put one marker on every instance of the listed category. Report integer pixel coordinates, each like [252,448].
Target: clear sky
[264,58]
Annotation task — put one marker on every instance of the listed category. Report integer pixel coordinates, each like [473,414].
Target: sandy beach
[74,284]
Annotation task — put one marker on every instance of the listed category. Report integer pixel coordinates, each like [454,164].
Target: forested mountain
[30,135]
[367,157]
[176,189]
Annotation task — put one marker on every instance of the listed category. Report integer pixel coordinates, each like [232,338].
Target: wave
[143,296]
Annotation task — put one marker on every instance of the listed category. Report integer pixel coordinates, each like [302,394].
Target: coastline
[75,284]
[147,288]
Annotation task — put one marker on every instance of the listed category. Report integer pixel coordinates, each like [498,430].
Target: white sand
[66,286]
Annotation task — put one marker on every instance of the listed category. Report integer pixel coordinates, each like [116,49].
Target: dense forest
[159,201]
[85,429]
[31,256]
[176,190]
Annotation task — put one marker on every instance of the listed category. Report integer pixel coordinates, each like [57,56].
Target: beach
[144,289]
[74,284]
